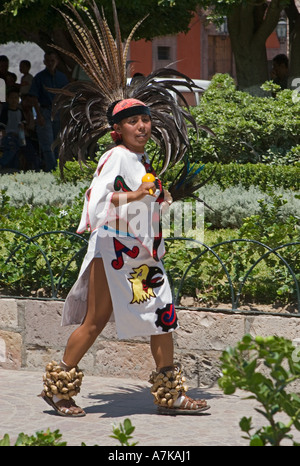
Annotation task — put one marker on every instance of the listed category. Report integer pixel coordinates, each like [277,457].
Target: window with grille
[163,53]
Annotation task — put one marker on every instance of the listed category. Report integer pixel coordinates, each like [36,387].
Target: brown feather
[83,104]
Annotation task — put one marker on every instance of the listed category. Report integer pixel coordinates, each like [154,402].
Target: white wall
[25,51]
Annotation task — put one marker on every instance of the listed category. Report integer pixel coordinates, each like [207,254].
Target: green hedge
[270,220]
[233,194]
[248,128]
[260,175]
[258,142]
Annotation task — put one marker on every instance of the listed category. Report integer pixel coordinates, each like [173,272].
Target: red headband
[126,103]
[129,107]
[123,109]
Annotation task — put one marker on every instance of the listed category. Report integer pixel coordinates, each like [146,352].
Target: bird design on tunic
[143,280]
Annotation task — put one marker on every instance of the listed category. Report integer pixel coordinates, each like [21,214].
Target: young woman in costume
[122,274]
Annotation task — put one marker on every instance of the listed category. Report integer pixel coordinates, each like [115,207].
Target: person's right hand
[144,189]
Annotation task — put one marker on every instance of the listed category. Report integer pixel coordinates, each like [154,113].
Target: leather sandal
[64,410]
[185,405]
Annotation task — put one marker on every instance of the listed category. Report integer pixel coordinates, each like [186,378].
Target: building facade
[201,53]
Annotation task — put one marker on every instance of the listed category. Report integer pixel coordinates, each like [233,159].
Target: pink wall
[141,53]
[189,50]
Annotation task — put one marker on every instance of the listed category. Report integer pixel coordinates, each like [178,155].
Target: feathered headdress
[83,105]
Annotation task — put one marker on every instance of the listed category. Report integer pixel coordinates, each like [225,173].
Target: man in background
[47,129]
[280,70]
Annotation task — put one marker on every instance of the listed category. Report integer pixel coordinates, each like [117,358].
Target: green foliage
[41,189]
[23,267]
[268,384]
[233,193]
[207,274]
[270,278]
[123,433]
[270,86]
[20,17]
[271,228]
[40,439]
[74,173]
[52,439]
[246,127]
[274,221]
[260,175]
[270,218]
[256,129]
[229,207]
[34,219]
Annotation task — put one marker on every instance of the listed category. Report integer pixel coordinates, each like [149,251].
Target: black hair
[280,59]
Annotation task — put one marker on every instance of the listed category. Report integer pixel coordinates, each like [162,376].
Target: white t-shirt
[14,118]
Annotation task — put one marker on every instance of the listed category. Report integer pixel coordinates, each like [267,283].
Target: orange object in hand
[148,178]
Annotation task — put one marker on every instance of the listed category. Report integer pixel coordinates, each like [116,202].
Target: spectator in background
[8,77]
[11,82]
[280,70]
[26,79]
[47,129]
[30,157]
[12,120]
[4,64]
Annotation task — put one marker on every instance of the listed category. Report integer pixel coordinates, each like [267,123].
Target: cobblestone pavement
[108,401]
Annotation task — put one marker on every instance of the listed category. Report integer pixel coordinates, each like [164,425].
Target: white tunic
[139,288]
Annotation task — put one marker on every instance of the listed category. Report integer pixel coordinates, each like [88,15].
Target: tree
[293,15]
[250,23]
[249,27]
[38,21]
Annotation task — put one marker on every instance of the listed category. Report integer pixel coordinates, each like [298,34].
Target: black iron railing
[235,295]
[58,278]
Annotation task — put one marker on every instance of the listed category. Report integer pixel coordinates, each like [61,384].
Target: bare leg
[162,350]
[99,309]
[163,353]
